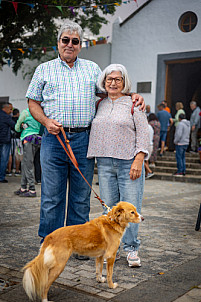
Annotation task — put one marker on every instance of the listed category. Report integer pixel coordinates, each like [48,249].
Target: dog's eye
[133,212]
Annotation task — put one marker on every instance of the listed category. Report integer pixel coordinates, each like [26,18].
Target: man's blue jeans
[56,170]
[4,156]
[115,185]
[180,157]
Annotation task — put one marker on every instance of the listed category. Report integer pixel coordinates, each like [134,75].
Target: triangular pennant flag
[30,49]
[54,47]
[83,8]
[87,44]
[22,51]
[15,4]
[8,51]
[94,6]
[94,42]
[117,4]
[105,6]
[44,50]
[60,8]
[46,7]
[125,2]
[31,5]
[136,2]
[8,63]
[72,10]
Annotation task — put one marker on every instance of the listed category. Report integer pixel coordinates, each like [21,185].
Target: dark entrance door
[183,84]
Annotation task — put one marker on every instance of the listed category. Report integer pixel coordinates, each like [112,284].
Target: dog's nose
[142,218]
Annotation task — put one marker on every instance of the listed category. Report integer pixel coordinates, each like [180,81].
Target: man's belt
[76,130]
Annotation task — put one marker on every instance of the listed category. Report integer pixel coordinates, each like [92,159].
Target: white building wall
[153,30]
[14,86]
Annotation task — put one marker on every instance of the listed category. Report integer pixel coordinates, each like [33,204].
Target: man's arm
[53,127]
[138,100]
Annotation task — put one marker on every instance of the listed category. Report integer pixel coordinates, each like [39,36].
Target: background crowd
[186,134]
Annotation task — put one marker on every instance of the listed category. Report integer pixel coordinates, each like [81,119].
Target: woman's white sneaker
[133,259]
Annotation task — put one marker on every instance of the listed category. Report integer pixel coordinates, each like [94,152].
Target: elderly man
[63,93]
[6,124]
[195,124]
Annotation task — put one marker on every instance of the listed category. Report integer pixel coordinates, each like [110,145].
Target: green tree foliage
[35,27]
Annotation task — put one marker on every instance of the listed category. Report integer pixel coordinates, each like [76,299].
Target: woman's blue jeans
[115,185]
[56,170]
[180,157]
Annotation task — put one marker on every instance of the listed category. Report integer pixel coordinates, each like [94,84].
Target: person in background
[148,110]
[181,141]
[179,108]
[166,108]
[154,122]
[6,124]
[165,119]
[31,140]
[63,92]
[16,150]
[148,172]
[195,125]
[119,140]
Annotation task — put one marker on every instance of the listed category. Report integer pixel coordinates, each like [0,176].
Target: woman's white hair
[70,26]
[108,70]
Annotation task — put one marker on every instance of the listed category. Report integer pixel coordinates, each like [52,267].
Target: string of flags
[72,9]
[49,48]
[60,7]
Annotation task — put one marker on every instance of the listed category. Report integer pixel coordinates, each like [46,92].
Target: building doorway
[183,84]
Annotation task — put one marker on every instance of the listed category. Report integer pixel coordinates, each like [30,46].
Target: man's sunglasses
[75,41]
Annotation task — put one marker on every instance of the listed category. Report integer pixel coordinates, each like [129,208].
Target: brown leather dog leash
[71,155]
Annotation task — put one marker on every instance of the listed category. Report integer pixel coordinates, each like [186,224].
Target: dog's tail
[36,272]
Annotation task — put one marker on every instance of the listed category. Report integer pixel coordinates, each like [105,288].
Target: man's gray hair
[70,26]
[108,70]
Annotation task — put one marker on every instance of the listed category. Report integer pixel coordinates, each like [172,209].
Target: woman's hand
[136,167]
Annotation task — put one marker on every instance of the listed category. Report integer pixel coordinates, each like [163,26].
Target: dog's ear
[118,213]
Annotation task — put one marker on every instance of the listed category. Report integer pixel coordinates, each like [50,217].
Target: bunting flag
[71,8]
[15,4]
[21,50]
[136,2]
[54,47]
[31,5]
[60,8]
[45,49]
[105,6]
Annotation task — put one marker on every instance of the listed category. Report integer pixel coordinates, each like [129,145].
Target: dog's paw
[101,279]
[113,285]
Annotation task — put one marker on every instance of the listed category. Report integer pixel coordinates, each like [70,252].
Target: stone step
[172,163]
[187,178]
[172,158]
[171,170]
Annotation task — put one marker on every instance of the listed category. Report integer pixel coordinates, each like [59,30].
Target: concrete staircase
[167,165]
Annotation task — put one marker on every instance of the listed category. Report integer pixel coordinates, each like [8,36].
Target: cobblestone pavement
[170,246]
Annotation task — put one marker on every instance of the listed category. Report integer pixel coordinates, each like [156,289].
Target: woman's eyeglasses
[75,41]
[117,80]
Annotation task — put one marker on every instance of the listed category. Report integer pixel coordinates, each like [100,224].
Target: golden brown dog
[98,238]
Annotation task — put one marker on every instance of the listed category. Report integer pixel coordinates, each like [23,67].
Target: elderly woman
[119,140]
